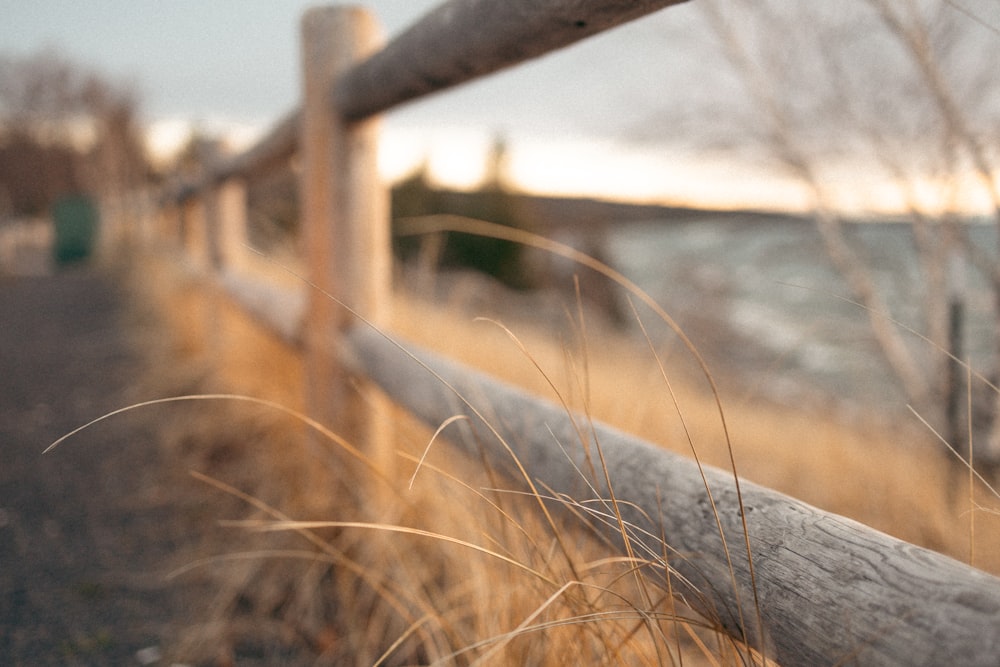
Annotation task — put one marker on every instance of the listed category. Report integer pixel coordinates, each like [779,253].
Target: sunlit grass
[454,570]
[536,591]
[891,476]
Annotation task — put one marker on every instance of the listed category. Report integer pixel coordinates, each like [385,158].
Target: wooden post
[185,214]
[210,210]
[955,429]
[231,218]
[145,223]
[170,225]
[195,240]
[345,225]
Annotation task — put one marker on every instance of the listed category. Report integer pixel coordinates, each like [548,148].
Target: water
[764,299]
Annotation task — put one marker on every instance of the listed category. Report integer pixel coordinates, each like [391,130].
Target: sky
[233,65]
[595,118]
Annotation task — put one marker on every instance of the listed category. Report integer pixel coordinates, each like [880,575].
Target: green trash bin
[75,219]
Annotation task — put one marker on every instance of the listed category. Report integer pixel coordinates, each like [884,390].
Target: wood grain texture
[344,205]
[345,225]
[830,590]
[465,39]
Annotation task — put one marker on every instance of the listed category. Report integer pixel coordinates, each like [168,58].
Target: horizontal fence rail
[825,589]
[275,147]
[465,39]
[458,42]
[830,590]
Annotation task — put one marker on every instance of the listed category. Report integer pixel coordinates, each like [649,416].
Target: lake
[764,299]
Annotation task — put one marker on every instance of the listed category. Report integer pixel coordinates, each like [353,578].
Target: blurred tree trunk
[889,83]
[906,24]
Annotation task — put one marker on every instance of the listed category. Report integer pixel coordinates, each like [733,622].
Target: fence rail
[270,151]
[465,39]
[829,590]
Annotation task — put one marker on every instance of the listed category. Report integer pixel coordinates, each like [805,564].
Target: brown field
[504,585]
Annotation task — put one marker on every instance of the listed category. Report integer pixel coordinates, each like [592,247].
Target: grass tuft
[451,567]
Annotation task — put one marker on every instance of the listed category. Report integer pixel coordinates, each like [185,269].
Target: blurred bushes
[503,260]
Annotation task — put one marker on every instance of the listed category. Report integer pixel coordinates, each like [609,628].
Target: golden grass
[358,583]
[891,477]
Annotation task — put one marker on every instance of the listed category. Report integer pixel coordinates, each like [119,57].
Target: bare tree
[117,154]
[65,128]
[907,89]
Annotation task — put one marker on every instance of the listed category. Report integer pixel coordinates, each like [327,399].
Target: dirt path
[83,543]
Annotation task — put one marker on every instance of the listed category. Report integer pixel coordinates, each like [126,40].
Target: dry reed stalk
[464,570]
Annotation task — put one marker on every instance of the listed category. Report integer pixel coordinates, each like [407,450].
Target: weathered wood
[830,589]
[465,39]
[213,242]
[345,207]
[194,231]
[231,221]
[270,151]
[458,42]
[280,308]
[167,222]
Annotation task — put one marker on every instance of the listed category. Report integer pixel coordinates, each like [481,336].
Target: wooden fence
[828,590]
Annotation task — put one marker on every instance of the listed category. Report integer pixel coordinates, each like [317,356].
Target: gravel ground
[86,532]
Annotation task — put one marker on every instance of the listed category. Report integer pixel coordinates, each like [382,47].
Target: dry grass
[889,476]
[506,588]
